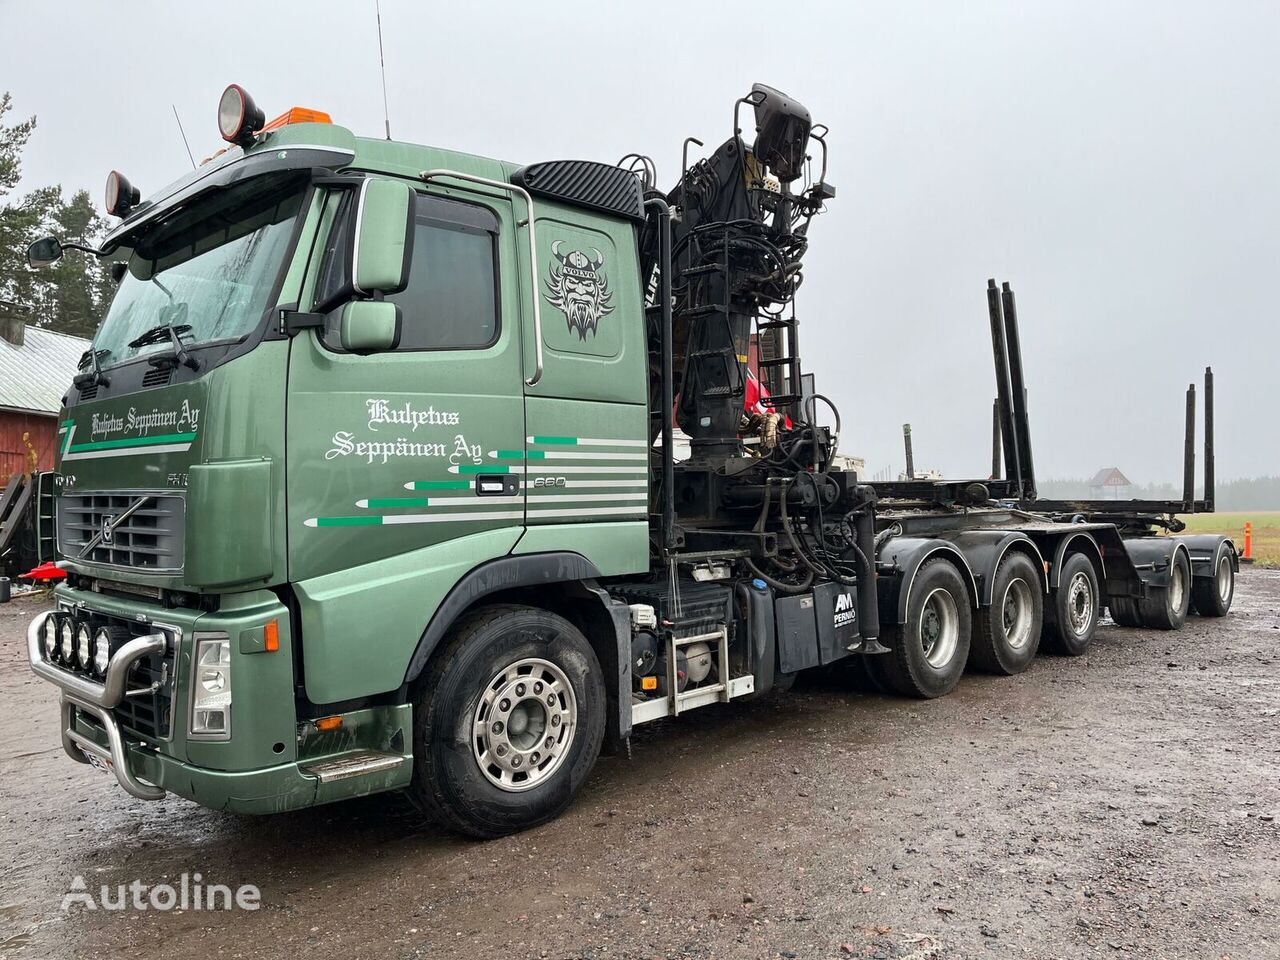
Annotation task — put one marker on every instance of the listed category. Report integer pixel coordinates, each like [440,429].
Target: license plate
[98,763]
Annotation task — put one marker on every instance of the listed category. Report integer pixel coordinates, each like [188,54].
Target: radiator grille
[149,538]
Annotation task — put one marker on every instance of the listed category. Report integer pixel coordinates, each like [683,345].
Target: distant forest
[1255,493]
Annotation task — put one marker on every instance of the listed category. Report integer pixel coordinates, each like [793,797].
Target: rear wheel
[1008,631]
[1074,608]
[1165,608]
[1212,595]
[929,651]
[1125,612]
[508,722]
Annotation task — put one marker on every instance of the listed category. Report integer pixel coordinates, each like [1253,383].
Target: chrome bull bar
[97,699]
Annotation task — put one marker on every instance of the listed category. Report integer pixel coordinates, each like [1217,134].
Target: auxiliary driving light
[67,636]
[84,644]
[101,651]
[50,636]
[239,118]
[122,196]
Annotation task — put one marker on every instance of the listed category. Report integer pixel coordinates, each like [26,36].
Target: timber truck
[369,481]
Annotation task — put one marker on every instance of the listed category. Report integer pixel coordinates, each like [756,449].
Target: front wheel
[508,722]
[1212,596]
[928,652]
[1074,608]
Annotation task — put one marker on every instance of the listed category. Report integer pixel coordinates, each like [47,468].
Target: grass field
[1266,532]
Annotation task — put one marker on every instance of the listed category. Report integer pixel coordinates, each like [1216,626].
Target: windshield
[208,269]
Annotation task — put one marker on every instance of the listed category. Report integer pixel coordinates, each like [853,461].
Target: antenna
[184,136]
[382,63]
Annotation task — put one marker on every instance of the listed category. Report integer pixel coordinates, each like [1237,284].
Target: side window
[451,302]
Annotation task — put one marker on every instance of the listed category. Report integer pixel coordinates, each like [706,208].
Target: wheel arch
[909,554]
[984,550]
[560,582]
[1080,542]
[1153,557]
[1205,551]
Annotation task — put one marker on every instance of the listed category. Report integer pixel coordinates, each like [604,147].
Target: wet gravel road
[1121,804]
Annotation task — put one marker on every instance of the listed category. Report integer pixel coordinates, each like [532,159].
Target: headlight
[67,638]
[84,643]
[211,689]
[50,636]
[101,651]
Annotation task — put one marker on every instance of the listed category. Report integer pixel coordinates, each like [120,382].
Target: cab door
[393,452]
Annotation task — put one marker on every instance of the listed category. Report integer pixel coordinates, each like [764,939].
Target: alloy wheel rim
[1017,613]
[939,627]
[1224,579]
[1177,587]
[1080,603]
[524,724]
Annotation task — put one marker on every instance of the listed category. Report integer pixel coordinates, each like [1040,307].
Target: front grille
[147,714]
[149,538]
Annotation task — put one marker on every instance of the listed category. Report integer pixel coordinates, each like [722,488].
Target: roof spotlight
[239,118]
[122,196]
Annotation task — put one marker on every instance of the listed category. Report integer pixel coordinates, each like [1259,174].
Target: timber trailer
[369,479]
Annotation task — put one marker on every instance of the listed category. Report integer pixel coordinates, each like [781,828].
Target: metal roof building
[36,367]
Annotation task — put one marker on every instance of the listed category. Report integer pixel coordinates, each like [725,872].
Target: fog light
[50,636]
[84,643]
[211,691]
[67,638]
[101,651]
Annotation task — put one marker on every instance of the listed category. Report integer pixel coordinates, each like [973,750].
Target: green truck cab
[334,405]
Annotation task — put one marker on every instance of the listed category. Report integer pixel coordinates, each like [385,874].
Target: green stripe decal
[390,503]
[556,441]
[134,442]
[518,455]
[438,485]
[348,521]
[490,468]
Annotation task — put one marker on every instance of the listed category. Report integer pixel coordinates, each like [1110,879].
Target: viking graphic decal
[578,289]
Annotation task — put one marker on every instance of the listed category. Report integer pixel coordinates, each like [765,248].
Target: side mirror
[44,252]
[383,247]
[366,326]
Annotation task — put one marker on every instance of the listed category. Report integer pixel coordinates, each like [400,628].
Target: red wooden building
[36,367]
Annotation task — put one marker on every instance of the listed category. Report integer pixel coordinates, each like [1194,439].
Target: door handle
[497,484]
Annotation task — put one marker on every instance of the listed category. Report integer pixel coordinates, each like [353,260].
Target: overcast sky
[1118,163]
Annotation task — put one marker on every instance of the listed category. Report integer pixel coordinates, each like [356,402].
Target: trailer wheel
[1125,611]
[929,651]
[1212,596]
[1074,608]
[1165,608]
[1008,631]
[508,722]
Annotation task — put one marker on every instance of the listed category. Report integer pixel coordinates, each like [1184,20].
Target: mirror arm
[429,175]
[82,248]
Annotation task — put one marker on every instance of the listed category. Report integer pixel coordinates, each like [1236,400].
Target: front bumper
[366,757]
[98,700]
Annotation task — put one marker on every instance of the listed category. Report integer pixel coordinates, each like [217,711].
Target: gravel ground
[1121,804]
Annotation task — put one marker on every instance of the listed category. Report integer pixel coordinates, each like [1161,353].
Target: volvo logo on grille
[108,522]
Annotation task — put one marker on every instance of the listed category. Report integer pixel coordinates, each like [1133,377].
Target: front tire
[929,651]
[1212,596]
[1074,608]
[508,722]
[1008,631]
[1165,608]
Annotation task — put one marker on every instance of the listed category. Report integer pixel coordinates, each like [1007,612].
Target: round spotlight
[238,116]
[101,651]
[84,645]
[67,637]
[122,196]
[50,637]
